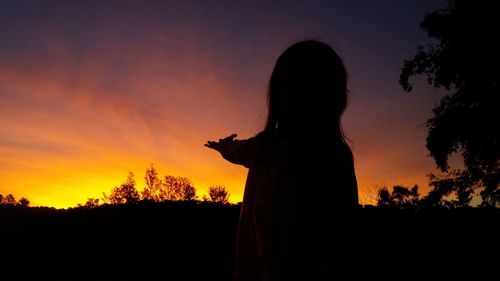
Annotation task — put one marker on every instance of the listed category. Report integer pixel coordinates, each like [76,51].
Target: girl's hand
[221,144]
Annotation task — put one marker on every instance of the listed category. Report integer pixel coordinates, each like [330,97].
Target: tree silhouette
[105,198]
[400,197]
[9,200]
[115,197]
[153,189]
[218,194]
[24,202]
[178,188]
[91,203]
[384,198]
[126,192]
[171,190]
[188,191]
[464,60]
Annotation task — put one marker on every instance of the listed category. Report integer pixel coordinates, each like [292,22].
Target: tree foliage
[24,202]
[218,194]
[91,203]
[464,60]
[126,192]
[178,188]
[153,189]
[400,197]
[169,188]
[9,200]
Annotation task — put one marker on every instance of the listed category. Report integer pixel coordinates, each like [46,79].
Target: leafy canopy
[465,60]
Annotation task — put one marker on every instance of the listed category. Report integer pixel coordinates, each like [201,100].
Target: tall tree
[153,189]
[464,60]
[126,192]
[130,193]
[171,188]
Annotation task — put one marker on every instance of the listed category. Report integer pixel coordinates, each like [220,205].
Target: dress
[298,215]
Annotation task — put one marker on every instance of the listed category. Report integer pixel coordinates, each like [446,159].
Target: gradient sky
[90,90]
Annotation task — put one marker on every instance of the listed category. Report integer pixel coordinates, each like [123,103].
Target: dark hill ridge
[195,241]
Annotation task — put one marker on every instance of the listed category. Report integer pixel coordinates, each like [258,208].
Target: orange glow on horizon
[64,148]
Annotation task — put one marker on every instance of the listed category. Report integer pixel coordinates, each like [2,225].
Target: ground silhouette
[195,241]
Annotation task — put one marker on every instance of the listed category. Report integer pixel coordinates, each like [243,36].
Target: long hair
[307,91]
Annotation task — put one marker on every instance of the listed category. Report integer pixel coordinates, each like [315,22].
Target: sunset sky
[90,90]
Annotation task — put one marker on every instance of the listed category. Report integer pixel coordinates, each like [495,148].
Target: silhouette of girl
[299,207]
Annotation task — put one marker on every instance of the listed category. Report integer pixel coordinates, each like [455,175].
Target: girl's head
[307,90]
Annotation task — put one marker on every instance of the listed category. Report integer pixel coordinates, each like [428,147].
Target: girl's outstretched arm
[234,151]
